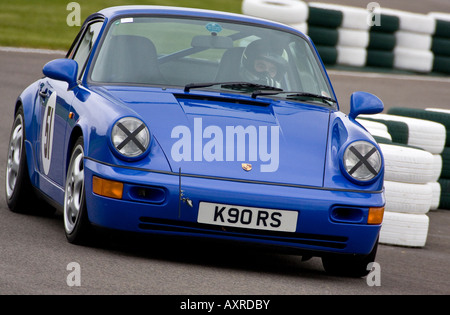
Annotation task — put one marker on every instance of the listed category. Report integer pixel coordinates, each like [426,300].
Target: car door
[55,100]
[53,107]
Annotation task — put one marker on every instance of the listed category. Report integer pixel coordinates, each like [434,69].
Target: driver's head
[263,61]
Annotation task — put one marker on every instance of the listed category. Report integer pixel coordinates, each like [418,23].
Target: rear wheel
[76,223]
[349,266]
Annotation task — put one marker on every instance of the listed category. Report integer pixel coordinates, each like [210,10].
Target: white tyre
[437,115]
[439,110]
[369,124]
[408,198]
[351,56]
[437,167]
[353,38]
[376,129]
[435,201]
[425,134]
[302,27]
[380,134]
[404,229]
[413,40]
[407,165]
[413,22]
[440,16]
[284,11]
[413,59]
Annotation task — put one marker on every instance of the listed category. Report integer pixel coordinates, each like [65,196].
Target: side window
[85,44]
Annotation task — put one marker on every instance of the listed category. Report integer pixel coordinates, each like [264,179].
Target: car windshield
[190,52]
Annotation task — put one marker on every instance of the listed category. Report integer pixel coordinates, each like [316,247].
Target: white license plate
[247,217]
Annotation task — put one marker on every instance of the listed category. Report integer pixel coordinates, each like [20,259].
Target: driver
[263,64]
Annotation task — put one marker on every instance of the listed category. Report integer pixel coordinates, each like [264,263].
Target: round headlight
[130,137]
[362,161]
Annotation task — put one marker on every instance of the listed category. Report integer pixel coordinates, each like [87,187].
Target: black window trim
[94,18]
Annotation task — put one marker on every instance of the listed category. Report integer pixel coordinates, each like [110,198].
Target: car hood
[231,136]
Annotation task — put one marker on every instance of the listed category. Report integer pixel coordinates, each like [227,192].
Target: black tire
[19,192]
[444,203]
[349,266]
[445,173]
[76,223]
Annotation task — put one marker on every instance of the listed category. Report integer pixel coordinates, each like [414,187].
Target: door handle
[43,94]
[43,91]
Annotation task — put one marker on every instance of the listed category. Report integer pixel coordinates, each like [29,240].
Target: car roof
[113,12]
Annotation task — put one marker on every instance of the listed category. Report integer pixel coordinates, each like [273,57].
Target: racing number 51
[47,132]
[48,126]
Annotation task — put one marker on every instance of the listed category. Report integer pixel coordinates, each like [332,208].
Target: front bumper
[329,221]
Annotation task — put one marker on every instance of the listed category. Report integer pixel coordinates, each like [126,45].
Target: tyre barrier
[408,198]
[413,151]
[404,229]
[441,42]
[355,36]
[442,117]
[284,11]
[408,164]
[353,41]
[424,134]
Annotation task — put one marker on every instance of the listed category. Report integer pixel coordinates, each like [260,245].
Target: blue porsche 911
[203,124]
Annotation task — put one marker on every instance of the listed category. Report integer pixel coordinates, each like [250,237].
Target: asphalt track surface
[34,254]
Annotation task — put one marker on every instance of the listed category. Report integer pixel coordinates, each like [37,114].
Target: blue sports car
[203,124]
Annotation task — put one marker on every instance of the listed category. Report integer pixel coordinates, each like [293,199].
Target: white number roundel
[48,123]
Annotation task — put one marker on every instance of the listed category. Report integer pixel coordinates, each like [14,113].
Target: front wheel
[350,266]
[76,223]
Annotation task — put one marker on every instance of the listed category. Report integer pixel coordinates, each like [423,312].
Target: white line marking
[373,75]
[33,51]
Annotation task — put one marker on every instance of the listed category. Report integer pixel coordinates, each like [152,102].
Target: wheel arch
[74,135]
[28,112]
[18,104]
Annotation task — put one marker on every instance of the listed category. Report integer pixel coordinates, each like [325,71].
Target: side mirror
[364,103]
[62,70]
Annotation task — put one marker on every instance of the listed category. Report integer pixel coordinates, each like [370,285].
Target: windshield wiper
[246,86]
[293,95]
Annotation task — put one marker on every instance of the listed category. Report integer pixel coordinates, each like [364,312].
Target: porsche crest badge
[246,167]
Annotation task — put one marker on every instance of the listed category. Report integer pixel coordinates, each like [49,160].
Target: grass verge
[42,23]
